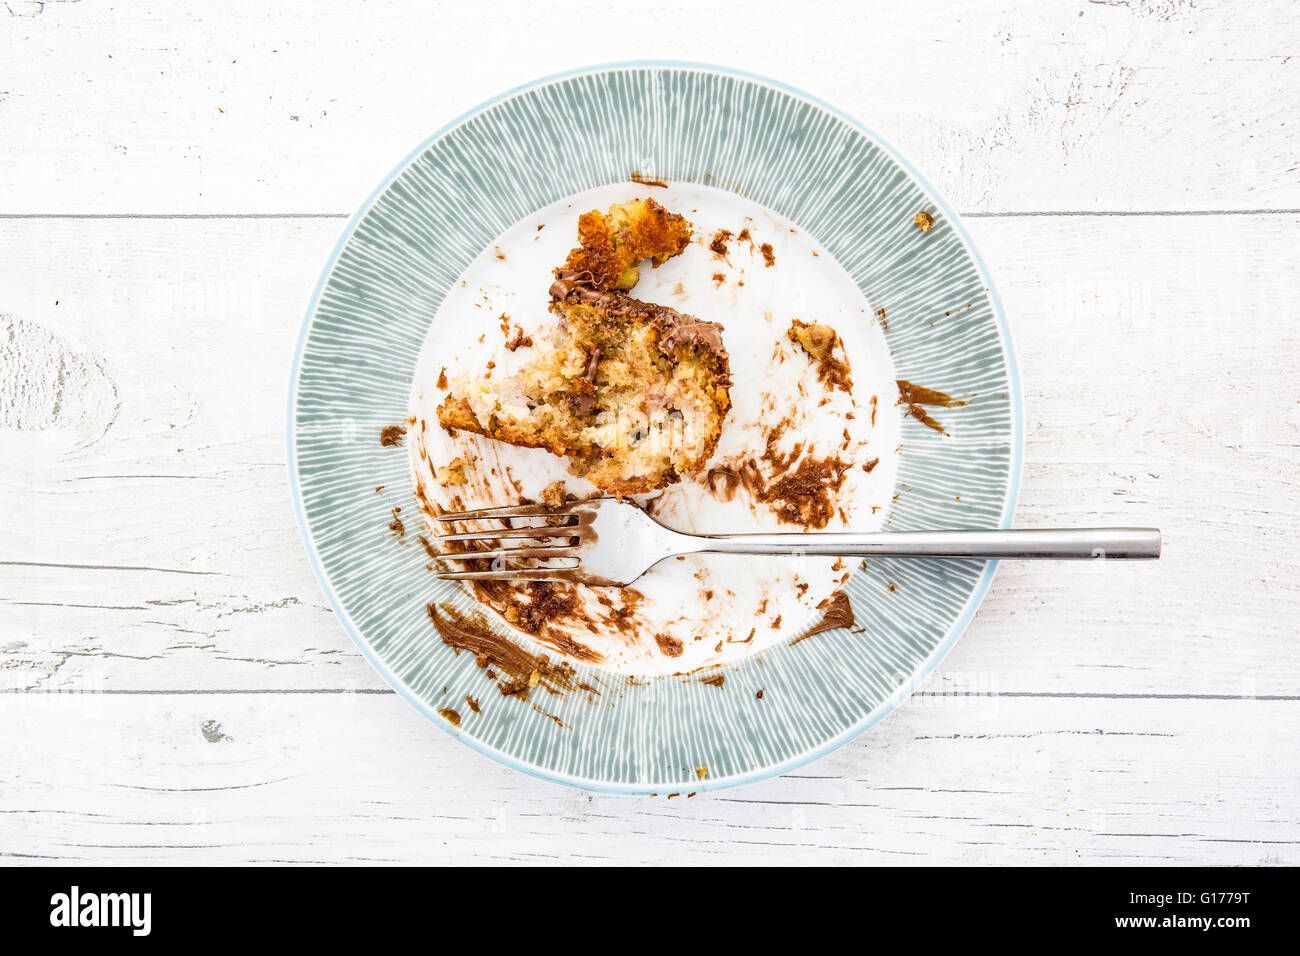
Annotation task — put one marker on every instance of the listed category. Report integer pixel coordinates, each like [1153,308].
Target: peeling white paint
[52,397]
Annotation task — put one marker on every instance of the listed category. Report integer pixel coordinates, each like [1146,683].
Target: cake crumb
[924,221]
[554,494]
[452,474]
[719,243]
[820,342]
[518,340]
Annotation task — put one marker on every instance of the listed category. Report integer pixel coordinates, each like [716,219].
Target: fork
[611,542]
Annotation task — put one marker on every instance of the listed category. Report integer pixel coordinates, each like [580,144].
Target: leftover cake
[613,244]
[634,394]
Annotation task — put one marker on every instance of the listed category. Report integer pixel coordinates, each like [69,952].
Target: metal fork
[612,542]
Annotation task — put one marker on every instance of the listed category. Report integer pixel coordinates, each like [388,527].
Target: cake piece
[612,244]
[632,393]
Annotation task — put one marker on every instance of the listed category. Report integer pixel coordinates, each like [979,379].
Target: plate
[694,127]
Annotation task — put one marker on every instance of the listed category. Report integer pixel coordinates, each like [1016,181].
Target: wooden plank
[212,779]
[1008,105]
[148,541]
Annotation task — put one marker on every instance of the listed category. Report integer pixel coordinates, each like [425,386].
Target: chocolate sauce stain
[519,670]
[915,396]
[670,646]
[836,613]
[800,488]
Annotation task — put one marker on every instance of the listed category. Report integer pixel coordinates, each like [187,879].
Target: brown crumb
[714,680]
[554,494]
[924,221]
[759,695]
[518,340]
[473,703]
[452,474]
[719,243]
[769,257]
[701,771]
[452,717]
[396,525]
[442,378]
[391,435]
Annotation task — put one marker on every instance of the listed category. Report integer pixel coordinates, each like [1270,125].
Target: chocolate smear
[915,396]
[517,669]
[836,613]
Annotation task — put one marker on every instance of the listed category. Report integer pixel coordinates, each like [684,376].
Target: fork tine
[552,551]
[516,511]
[524,574]
[540,531]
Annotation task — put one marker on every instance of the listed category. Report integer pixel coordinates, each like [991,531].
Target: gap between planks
[286,216]
[936,694]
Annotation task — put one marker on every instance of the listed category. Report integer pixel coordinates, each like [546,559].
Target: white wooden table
[176,690]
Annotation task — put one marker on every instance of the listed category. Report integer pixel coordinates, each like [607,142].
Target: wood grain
[349,778]
[1009,105]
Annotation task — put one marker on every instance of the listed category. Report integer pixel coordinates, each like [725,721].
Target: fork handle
[1062,543]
